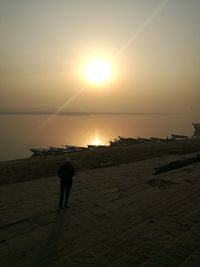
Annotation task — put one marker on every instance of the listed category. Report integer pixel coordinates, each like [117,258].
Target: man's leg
[68,188]
[62,192]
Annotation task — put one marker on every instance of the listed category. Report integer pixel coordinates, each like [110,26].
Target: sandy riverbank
[46,166]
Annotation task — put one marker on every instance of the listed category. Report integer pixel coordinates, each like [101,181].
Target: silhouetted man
[66,172]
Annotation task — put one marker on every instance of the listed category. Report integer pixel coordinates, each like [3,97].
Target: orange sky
[154,46]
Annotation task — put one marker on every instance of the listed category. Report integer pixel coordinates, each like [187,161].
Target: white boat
[39,151]
[178,136]
[57,149]
[157,139]
[75,148]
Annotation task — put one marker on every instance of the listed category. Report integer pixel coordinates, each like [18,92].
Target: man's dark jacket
[66,172]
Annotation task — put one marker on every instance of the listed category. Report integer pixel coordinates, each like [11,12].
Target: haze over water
[130,56]
[19,133]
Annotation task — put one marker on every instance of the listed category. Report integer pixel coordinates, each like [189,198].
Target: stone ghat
[117,218]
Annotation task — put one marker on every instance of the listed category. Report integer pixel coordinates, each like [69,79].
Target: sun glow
[96,140]
[97,71]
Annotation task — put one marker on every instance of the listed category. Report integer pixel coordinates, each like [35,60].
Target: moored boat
[178,136]
[57,149]
[39,151]
[157,139]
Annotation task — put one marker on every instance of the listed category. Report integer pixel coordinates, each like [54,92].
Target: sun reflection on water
[96,140]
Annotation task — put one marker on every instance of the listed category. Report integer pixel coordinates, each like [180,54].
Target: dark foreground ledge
[46,166]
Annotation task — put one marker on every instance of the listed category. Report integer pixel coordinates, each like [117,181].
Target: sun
[96,141]
[97,71]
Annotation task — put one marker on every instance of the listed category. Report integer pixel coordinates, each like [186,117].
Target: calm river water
[21,132]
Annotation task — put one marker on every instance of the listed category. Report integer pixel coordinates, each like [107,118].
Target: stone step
[193,260]
[177,252]
[123,225]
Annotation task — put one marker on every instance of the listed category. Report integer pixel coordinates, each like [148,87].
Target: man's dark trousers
[65,187]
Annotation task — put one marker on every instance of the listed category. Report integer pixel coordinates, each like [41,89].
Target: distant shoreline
[69,113]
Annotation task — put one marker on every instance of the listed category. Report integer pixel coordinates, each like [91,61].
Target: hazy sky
[153,44]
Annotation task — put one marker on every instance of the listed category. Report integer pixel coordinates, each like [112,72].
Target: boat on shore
[178,136]
[124,141]
[75,148]
[157,139]
[55,150]
[39,151]
[120,141]
[91,147]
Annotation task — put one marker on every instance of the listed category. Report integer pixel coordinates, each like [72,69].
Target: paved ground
[119,216]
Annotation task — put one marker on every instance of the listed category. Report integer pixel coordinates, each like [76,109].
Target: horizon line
[76,113]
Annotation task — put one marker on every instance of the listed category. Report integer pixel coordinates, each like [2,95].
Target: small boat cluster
[55,150]
[61,150]
[116,142]
[129,141]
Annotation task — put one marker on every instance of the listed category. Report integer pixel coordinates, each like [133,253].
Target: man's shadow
[48,250]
